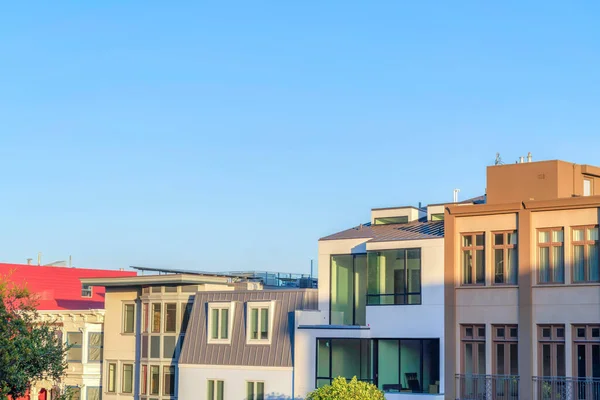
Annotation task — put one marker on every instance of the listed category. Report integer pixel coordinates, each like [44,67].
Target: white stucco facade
[193,381]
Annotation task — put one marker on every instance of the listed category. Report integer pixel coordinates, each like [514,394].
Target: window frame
[474,339]
[90,347]
[260,305]
[75,346]
[85,290]
[215,385]
[505,340]
[406,295]
[551,262]
[230,307]
[554,341]
[505,247]
[166,319]
[123,380]
[587,268]
[144,379]
[124,330]
[355,294]
[151,380]
[588,341]
[254,395]
[156,325]
[473,248]
[167,372]
[114,377]
[87,391]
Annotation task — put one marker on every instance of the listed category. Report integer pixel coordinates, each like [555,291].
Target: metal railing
[487,387]
[562,388]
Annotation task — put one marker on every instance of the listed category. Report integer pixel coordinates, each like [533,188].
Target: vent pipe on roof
[529,157]
[29,260]
[40,258]
[456,195]
[521,160]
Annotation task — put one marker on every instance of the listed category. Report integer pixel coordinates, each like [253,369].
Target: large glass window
[551,263]
[505,258]
[343,357]
[394,277]
[408,365]
[74,339]
[585,254]
[348,289]
[144,380]
[473,259]
[169,344]
[506,350]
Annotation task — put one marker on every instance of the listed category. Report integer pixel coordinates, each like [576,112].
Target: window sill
[218,341]
[259,342]
[579,284]
[127,334]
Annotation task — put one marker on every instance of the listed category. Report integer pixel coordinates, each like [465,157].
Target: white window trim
[260,304]
[220,306]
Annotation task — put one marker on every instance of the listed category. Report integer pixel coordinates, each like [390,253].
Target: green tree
[30,350]
[341,389]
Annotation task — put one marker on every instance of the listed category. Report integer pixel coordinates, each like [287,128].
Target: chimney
[40,258]
[521,160]
[529,157]
[456,195]
[29,260]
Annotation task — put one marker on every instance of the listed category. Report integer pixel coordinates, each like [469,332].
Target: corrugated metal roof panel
[382,233]
[197,350]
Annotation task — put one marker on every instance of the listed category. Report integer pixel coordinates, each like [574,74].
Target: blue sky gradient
[232,135]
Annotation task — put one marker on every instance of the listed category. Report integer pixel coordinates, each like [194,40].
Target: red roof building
[59,288]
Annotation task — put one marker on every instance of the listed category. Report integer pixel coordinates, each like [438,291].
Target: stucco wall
[193,381]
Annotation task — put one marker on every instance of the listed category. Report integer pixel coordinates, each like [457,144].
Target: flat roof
[171,279]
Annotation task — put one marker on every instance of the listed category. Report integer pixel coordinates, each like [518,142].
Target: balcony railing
[561,388]
[487,387]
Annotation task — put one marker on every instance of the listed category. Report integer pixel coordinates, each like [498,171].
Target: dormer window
[260,322]
[86,291]
[220,322]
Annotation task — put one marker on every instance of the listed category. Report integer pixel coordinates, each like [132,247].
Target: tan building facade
[146,320]
[522,286]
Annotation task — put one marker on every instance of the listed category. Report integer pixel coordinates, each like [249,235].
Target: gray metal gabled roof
[416,230]
[197,350]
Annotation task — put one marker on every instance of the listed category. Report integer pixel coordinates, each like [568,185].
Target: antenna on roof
[456,195]
[498,160]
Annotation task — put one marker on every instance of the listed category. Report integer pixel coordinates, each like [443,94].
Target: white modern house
[381,307]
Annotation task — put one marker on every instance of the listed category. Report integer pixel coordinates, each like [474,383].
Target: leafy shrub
[341,389]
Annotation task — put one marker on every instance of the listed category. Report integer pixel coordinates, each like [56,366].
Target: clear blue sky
[233,135]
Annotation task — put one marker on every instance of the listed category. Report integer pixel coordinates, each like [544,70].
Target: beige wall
[119,347]
[411,212]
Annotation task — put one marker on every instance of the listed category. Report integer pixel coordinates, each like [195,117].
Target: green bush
[341,389]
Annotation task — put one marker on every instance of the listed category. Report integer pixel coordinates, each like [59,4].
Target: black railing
[487,387]
[561,388]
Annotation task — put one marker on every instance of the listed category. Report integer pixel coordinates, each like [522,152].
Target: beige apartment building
[522,286]
[144,330]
